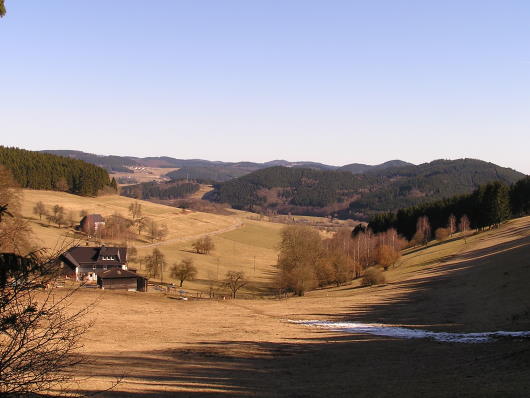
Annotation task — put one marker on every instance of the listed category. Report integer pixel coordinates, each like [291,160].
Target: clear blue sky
[330,81]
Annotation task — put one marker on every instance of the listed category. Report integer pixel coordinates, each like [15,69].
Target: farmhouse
[91,224]
[122,279]
[86,263]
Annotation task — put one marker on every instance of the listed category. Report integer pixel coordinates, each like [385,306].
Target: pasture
[201,348]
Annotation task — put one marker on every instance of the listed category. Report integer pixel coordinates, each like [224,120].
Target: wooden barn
[92,224]
[122,279]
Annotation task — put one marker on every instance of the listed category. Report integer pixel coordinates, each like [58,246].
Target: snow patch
[406,333]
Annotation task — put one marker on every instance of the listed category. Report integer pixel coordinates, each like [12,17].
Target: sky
[330,81]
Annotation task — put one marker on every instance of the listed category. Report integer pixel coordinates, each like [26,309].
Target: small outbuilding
[91,224]
[122,279]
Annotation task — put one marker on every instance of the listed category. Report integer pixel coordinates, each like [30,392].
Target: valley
[200,340]
[222,347]
[288,199]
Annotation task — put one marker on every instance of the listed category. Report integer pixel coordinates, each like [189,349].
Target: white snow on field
[406,333]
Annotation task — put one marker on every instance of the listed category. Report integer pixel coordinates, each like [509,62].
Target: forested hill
[111,163]
[38,170]
[307,191]
[359,168]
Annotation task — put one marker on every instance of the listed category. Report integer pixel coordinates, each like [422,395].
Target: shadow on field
[485,289]
[481,291]
[325,366]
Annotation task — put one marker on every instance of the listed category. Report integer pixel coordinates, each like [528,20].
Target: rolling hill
[315,192]
[359,168]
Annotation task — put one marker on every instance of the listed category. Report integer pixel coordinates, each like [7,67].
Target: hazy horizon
[334,82]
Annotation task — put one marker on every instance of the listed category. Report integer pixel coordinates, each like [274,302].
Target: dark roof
[92,218]
[116,273]
[82,255]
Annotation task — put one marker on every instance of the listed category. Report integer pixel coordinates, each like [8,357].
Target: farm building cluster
[106,266]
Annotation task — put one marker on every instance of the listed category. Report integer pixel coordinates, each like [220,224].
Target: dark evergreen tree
[38,170]
[495,204]
[520,197]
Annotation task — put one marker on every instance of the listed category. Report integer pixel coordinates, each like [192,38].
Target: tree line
[38,170]
[307,261]
[486,207]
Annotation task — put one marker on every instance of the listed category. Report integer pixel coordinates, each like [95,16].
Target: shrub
[203,245]
[373,276]
[441,234]
[387,256]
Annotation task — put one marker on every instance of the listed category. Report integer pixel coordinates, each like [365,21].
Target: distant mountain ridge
[359,168]
[215,171]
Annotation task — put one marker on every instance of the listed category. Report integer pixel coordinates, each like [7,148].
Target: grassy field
[201,348]
[145,174]
[203,190]
[165,347]
[241,244]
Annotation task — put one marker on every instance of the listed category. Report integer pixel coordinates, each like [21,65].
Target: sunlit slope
[241,244]
[476,284]
[181,224]
[252,249]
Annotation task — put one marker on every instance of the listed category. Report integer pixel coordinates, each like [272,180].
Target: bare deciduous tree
[464,226]
[451,224]
[203,245]
[40,210]
[387,256]
[38,332]
[155,231]
[135,210]
[57,216]
[423,231]
[155,263]
[184,271]
[235,280]
[301,254]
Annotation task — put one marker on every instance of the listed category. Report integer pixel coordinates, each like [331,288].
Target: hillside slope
[305,191]
[222,347]
[36,170]
[241,244]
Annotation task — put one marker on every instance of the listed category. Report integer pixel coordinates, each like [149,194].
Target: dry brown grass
[146,174]
[166,347]
[241,244]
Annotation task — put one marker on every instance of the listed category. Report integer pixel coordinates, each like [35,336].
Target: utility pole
[217,268]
